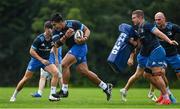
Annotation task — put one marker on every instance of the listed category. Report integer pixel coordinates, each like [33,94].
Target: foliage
[22,20]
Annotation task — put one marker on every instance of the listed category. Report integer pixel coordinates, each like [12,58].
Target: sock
[15,93]
[103,85]
[150,93]
[166,96]
[168,90]
[53,90]
[40,92]
[65,88]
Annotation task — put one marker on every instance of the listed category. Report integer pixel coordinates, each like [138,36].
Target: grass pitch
[82,98]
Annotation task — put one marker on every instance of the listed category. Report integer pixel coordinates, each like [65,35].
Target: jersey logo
[169,33]
[42,44]
[69,24]
[153,63]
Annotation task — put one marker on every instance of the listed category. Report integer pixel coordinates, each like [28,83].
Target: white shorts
[46,74]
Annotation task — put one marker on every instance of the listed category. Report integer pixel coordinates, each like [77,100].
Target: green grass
[82,98]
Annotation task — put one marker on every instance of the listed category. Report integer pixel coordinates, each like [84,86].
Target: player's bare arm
[131,58]
[158,33]
[63,39]
[34,54]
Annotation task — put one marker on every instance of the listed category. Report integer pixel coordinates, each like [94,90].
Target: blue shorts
[79,51]
[155,59]
[35,65]
[174,62]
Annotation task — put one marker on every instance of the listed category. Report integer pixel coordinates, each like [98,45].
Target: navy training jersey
[148,40]
[170,30]
[42,47]
[74,24]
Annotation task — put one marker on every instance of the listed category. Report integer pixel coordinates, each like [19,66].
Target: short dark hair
[57,17]
[139,13]
[48,24]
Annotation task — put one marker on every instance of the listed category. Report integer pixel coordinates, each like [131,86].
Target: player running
[76,54]
[44,75]
[172,56]
[40,51]
[152,56]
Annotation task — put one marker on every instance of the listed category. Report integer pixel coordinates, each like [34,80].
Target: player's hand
[69,33]
[80,40]
[173,42]
[133,42]
[45,62]
[130,62]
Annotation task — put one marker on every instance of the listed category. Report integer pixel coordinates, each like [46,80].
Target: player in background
[152,56]
[47,76]
[76,54]
[172,56]
[40,51]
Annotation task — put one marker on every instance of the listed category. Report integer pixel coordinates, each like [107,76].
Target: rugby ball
[78,34]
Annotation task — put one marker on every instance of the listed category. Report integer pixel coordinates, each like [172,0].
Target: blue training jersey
[148,40]
[74,24]
[170,30]
[42,46]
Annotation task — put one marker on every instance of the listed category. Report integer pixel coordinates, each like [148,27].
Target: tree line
[22,20]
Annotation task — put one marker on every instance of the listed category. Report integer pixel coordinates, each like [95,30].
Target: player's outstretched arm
[160,34]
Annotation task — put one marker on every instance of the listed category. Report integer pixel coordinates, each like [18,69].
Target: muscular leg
[67,61]
[157,80]
[165,78]
[138,74]
[28,75]
[83,69]
[54,71]
[42,82]
[150,78]
[107,88]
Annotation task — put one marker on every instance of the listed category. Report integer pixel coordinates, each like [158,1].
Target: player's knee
[64,65]
[55,73]
[158,72]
